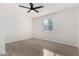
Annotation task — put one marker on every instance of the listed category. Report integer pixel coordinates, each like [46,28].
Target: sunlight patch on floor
[49,53]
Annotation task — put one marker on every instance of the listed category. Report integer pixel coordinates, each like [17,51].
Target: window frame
[48,30]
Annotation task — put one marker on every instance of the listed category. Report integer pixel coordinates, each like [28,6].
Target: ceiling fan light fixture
[32,11]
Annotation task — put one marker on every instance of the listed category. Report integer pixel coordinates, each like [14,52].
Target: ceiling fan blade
[31,5]
[38,7]
[36,11]
[28,11]
[24,6]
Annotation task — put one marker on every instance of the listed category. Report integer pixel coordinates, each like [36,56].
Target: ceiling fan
[32,8]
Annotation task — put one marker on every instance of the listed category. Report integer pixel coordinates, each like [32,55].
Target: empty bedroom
[39,29]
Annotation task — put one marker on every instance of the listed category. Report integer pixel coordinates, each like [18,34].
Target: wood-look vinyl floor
[35,47]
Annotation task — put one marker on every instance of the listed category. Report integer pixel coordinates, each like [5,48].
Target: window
[48,24]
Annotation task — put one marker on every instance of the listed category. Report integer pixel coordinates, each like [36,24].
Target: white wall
[18,29]
[19,26]
[65,27]
[2,29]
[78,27]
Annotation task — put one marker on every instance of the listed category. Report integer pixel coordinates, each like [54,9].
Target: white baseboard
[74,45]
